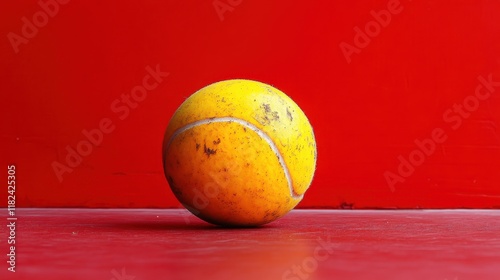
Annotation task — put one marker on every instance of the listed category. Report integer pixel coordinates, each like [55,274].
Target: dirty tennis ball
[239,153]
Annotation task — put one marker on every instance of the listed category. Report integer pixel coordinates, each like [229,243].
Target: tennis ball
[239,153]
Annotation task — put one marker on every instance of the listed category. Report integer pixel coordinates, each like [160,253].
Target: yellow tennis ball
[239,153]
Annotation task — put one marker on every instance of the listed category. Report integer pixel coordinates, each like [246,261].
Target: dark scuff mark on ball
[275,116]
[269,90]
[217,142]
[209,151]
[268,115]
[197,146]
[289,114]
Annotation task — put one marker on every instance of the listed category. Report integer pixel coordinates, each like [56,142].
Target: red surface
[171,244]
[366,113]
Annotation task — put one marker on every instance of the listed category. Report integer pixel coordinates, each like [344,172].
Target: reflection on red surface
[159,244]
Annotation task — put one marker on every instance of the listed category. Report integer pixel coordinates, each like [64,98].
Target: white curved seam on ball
[259,132]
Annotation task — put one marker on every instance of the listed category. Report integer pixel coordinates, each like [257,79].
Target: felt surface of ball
[239,153]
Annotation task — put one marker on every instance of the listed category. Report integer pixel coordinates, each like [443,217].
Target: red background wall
[365,113]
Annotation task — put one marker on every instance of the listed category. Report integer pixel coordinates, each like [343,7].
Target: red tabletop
[144,244]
